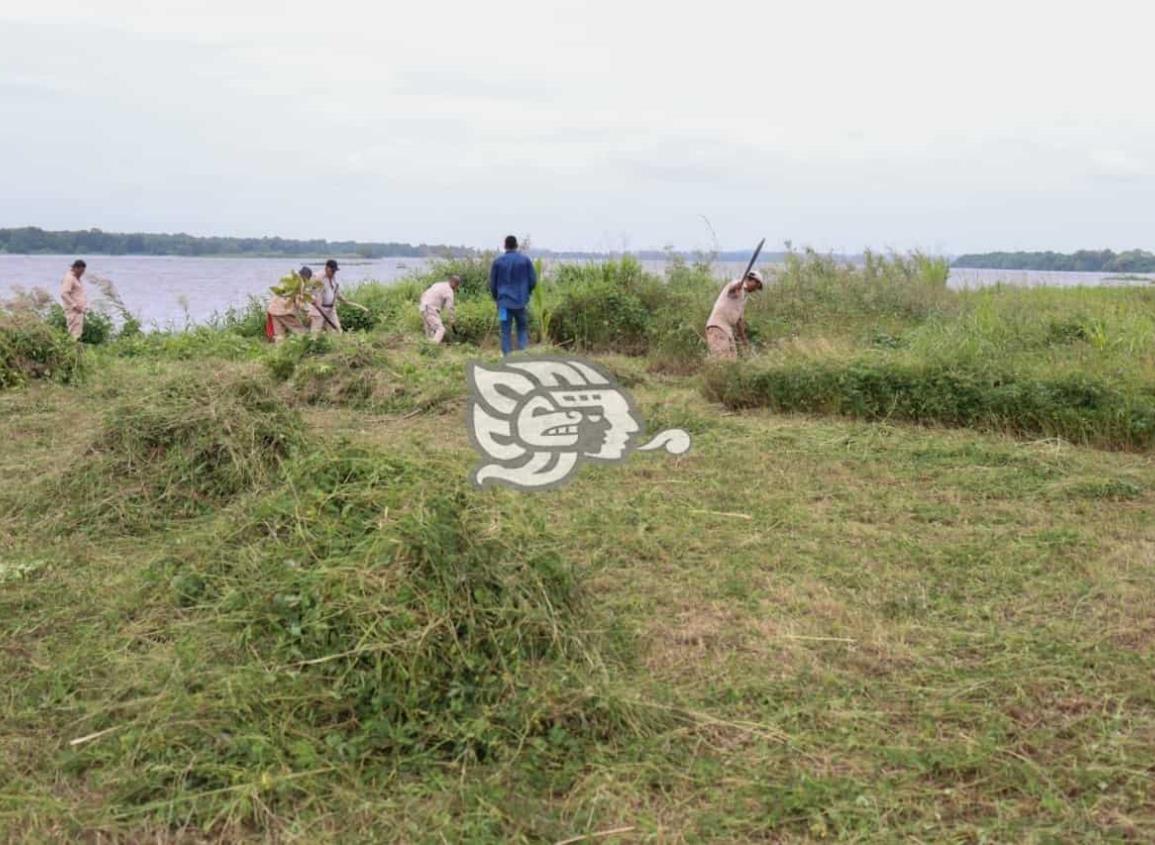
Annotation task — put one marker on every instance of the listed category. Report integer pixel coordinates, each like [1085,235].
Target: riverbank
[247,593]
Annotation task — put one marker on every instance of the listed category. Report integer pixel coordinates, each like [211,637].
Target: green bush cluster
[615,306]
[33,349]
[98,326]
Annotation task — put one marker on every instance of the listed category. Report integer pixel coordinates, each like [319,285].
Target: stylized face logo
[597,423]
[535,419]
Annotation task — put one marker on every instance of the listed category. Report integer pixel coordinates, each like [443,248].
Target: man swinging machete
[727,326]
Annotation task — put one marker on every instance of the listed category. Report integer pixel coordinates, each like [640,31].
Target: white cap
[756,276]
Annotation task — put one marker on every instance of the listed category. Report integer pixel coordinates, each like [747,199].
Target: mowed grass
[805,629]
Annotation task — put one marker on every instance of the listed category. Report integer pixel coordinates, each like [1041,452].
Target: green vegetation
[246,593]
[30,349]
[1083,261]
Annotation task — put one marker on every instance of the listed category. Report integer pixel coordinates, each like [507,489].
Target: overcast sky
[598,124]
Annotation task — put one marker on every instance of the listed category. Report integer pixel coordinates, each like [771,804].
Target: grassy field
[246,593]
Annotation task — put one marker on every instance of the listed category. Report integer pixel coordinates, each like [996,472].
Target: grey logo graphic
[534,420]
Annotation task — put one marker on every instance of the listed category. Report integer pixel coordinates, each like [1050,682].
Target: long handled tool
[753,258]
[749,267]
[321,310]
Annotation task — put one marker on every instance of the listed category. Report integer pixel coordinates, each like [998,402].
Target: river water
[173,291]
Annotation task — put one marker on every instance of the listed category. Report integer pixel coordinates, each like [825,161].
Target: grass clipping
[183,447]
[355,614]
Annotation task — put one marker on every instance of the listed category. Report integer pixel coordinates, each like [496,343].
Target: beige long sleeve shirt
[729,307]
[440,297]
[72,294]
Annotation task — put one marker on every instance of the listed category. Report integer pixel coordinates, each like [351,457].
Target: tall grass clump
[1110,331]
[180,448]
[246,320]
[816,294]
[33,349]
[1076,406]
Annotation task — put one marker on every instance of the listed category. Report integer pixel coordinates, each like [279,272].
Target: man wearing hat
[323,313]
[726,327]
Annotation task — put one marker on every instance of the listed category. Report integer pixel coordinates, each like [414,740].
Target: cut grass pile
[310,608]
[386,374]
[803,629]
[179,446]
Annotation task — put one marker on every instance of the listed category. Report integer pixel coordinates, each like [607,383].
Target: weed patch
[32,349]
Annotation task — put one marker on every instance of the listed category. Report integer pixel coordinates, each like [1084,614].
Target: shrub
[474,273]
[31,348]
[476,323]
[98,327]
[606,307]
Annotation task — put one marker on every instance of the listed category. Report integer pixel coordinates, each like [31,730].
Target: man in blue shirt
[511,281]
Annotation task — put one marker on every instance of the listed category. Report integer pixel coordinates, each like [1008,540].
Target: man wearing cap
[323,313]
[437,297]
[726,326]
[74,299]
[285,312]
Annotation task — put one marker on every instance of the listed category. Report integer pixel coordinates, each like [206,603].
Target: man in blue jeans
[511,281]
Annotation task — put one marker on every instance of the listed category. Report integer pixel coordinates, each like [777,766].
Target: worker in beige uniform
[726,326]
[437,298]
[285,314]
[73,298]
[323,312]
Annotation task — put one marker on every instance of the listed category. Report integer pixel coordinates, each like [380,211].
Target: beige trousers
[720,344]
[75,323]
[318,323]
[286,324]
[434,328]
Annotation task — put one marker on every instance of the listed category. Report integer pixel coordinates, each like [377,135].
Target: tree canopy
[31,240]
[1083,261]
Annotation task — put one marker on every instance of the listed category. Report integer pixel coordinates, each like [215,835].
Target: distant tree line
[31,240]
[1083,261]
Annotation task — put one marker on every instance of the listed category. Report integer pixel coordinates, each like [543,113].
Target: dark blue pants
[508,316]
